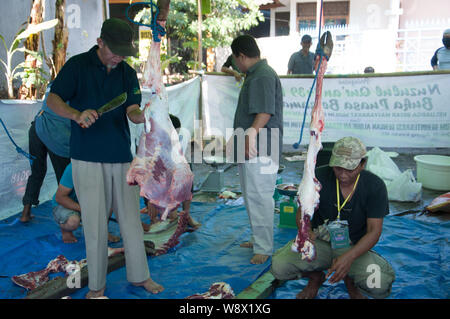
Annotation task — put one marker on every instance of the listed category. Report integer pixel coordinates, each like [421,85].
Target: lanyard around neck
[339,207]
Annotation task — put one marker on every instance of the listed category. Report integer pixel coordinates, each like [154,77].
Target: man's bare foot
[193,223]
[246,244]
[68,237]
[172,215]
[259,259]
[150,286]
[95,294]
[26,214]
[353,291]
[316,279]
[112,238]
[145,227]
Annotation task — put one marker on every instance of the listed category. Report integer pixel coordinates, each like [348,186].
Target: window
[334,13]
[281,23]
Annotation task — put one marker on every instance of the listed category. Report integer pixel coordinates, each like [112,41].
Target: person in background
[231,68]
[302,62]
[369,69]
[100,150]
[358,199]
[49,134]
[259,114]
[441,58]
[67,211]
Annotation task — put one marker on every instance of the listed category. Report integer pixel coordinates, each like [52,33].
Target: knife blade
[111,105]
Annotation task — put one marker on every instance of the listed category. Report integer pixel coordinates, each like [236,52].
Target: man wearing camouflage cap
[355,197]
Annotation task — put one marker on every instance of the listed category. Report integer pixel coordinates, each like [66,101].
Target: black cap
[118,36]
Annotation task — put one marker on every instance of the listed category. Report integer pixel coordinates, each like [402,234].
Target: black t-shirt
[370,200]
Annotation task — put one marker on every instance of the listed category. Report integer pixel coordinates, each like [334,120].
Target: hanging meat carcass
[309,188]
[159,168]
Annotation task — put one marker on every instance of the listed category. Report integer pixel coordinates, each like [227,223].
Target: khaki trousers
[258,178]
[100,187]
[371,273]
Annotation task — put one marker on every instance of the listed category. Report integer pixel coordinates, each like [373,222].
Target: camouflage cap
[347,153]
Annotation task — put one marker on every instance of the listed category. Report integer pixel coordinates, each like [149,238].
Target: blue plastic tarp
[208,255]
[417,250]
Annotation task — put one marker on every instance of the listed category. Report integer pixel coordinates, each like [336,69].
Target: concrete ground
[293,173]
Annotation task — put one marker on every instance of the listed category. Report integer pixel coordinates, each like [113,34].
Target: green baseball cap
[347,153]
[118,36]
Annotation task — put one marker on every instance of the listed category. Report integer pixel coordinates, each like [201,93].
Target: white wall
[84,20]
[369,14]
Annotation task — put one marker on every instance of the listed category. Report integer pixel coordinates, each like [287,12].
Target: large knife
[111,105]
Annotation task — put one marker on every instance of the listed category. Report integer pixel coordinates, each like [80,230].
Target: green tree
[226,19]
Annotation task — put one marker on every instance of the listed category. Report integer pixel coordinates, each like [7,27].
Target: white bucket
[433,171]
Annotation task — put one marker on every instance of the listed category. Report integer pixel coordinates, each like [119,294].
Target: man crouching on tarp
[347,224]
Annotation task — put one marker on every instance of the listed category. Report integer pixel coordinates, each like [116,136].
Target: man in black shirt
[358,200]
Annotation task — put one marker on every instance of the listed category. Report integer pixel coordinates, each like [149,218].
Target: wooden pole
[61,39]
[32,44]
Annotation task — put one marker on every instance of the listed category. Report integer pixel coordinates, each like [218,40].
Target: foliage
[34,76]
[226,19]
[10,71]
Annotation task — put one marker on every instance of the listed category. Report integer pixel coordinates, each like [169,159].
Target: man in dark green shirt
[360,199]
[302,62]
[100,149]
[257,143]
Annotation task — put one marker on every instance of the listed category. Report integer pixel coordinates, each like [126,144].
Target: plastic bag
[382,165]
[400,186]
[404,188]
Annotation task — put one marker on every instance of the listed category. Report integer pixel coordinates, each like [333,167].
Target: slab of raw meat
[309,187]
[34,279]
[218,290]
[159,168]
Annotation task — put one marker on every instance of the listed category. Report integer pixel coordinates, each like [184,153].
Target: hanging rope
[154,25]
[320,53]
[18,149]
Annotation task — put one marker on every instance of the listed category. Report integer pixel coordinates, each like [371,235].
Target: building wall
[369,14]
[434,11]
[84,20]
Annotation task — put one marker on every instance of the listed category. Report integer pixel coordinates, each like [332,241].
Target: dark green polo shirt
[84,83]
[370,200]
[301,64]
[261,93]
